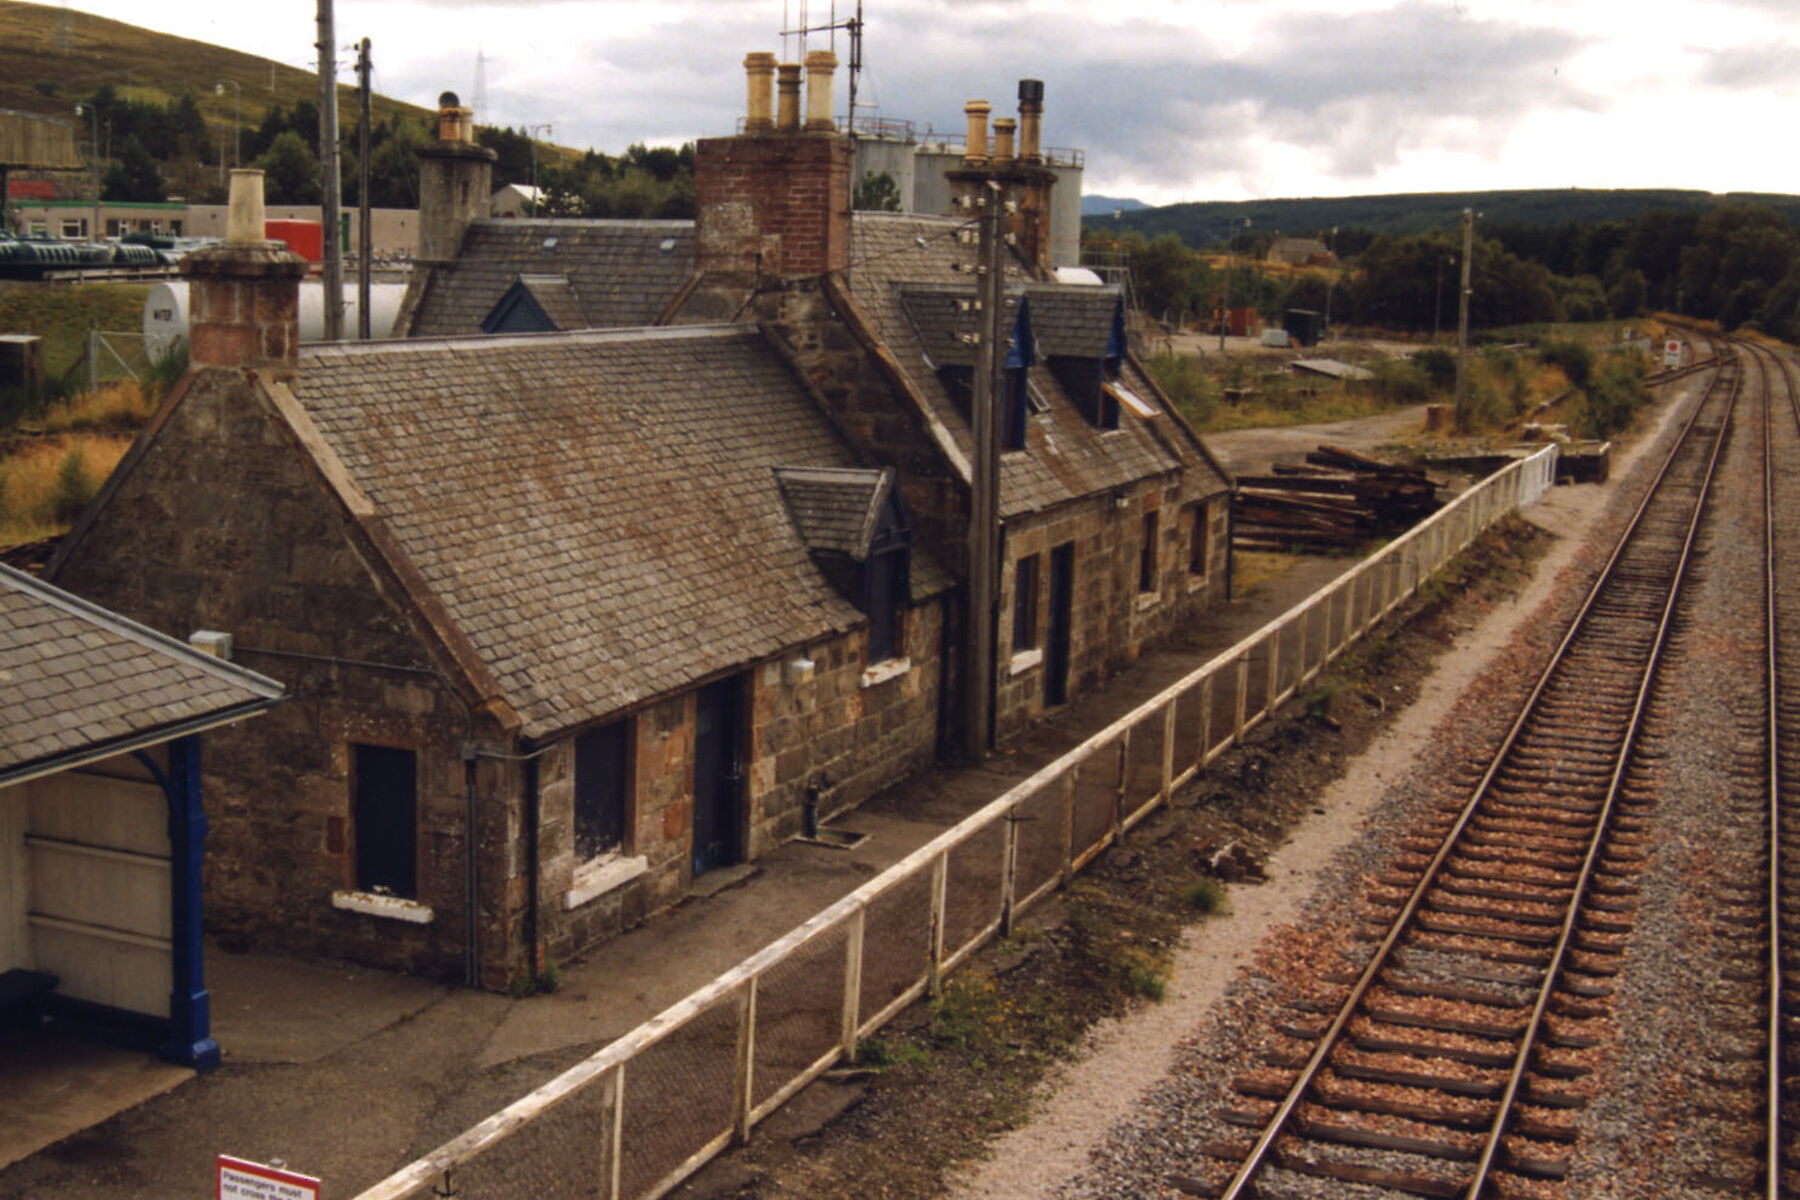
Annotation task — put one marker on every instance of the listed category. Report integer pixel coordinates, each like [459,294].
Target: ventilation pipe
[759,70]
[819,66]
[975,148]
[787,103]
[1031,121]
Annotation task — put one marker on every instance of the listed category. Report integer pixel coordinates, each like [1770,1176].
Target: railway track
[1455,1059]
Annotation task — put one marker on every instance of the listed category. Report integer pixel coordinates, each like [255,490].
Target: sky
[1169,100]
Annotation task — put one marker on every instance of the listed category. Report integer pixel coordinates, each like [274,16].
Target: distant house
[103,818]
[516,200]
[1300,252]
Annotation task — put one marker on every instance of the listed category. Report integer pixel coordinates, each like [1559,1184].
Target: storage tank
[166,313]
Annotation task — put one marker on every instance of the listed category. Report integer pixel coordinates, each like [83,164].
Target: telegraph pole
[364,236]
[1462,322]
[984,491]
[329,181]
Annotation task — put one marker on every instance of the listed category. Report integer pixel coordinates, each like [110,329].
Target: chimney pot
[975,149]
[1003,140]
[1031,121]
[819,67]
[244,211]
[787,102]
[455,123]
[759,71]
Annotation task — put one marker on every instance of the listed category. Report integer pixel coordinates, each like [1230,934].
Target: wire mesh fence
[640,1115]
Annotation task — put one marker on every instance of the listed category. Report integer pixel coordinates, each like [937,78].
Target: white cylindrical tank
[166,312]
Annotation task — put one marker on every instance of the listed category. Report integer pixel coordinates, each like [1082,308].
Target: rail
[705,1071]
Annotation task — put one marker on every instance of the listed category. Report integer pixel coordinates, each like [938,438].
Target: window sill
[1196,583]
[1147,601]
[1024,660]
[388,908]
[881,672]
[601,875]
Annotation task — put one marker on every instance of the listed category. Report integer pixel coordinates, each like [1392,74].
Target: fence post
[612,1128]
[1168,754]
[853,960]
[1009,873]
[1243,697]
[1068,825]
[1120,777]
[742,1079]
[1206,721]
[1272,688]
[1300,648]
[940,879]
[93,360]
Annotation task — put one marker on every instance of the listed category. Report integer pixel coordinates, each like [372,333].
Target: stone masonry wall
[220,527]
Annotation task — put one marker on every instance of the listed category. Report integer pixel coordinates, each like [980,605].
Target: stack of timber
[1338,499]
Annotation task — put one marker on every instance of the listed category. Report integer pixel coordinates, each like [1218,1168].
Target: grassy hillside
[1207,222]
[42,72]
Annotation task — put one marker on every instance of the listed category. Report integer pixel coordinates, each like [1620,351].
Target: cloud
[1776,66]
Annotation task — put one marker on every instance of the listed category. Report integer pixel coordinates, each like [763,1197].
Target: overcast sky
[1169,99]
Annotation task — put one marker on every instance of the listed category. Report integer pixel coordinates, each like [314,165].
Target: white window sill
[881,672]
[1196,583]
[1147,601]
[601,875]
[1024,660]
[389,908]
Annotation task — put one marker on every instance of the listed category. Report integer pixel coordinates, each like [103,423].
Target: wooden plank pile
[1337,499]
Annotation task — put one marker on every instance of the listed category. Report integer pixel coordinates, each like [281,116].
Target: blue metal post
[190,1008]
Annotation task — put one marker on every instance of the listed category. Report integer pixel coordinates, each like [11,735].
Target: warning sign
[241,1180]
[1671,354]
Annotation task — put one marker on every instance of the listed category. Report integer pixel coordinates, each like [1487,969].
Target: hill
[1209,222]
[52,57]
[1105,206]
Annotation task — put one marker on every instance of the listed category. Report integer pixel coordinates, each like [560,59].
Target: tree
[290,171]
[876,192]
[135,177]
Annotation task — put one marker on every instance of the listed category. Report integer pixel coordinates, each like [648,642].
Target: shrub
[1182,380]
[1400,382]
[1613,396]
[1575,359]
[1438,364]
[73,488]
[1205,895]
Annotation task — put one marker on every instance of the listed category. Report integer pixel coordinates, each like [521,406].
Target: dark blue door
[718,781]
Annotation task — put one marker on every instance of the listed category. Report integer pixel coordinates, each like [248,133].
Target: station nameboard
[242,1180]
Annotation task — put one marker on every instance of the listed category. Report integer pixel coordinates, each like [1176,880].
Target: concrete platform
[58,1082]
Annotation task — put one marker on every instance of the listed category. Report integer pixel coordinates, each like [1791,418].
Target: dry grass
[114,407]
[45,482]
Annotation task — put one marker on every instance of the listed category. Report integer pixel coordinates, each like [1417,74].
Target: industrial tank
[166,313]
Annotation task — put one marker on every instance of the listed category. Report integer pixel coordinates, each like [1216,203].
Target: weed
[73,488]
[1140,975]
[879,1054]
[550,978]
[1318,701]
[1205,895]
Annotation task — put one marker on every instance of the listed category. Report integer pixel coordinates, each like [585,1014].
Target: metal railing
[640,1115]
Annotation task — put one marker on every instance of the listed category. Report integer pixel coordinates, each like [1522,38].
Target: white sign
[241,1180]
[1671,353]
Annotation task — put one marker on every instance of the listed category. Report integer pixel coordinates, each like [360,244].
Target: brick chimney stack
[775,200]
[455,180]
[244,294]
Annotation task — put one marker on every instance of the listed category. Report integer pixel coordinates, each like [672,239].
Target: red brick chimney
[1022,173]
[775,200]
[244,294]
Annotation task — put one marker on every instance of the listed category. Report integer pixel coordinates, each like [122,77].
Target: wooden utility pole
[364,235]
[329,180]
[1462,322]
[984,483]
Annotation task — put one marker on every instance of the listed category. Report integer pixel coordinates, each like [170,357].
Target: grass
[1252,567]
[46,482]
[1206,895]
[62,316]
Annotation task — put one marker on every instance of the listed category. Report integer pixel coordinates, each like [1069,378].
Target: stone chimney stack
[774,202]
[1022,173]
[455,180]
[244,294]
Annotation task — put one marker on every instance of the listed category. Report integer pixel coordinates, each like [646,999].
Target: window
[1014,409]
[385,808]
[1200,541]
[1025,604]
[886,581]
[74,229]
[602,783]
[1147,556]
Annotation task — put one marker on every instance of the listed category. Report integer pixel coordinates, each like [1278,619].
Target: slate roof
[1065,456]
[1072,321]
[599,512]
[78,682]
[556,298]
[620,273]
[835,509]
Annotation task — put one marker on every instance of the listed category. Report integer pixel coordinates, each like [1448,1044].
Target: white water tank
[166,313]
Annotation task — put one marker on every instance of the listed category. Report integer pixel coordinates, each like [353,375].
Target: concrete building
[395,231]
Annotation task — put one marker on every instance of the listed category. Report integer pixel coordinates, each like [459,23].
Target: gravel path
[1096,1130]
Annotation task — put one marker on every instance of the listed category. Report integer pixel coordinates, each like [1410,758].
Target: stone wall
[219,526]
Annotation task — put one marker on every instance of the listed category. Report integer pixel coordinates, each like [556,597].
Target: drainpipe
[531,868]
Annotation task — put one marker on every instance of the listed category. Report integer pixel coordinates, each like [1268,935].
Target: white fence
[637,1117]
